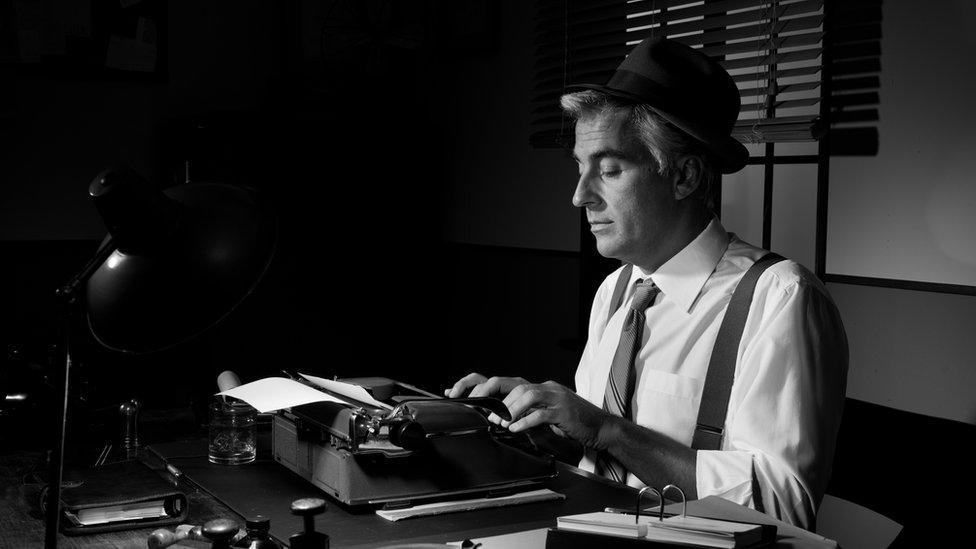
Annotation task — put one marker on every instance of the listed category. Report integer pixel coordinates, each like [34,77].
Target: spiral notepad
[616,529]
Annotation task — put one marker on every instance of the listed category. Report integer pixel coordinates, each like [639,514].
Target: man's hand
[561,408]
[482,386]
[566,413]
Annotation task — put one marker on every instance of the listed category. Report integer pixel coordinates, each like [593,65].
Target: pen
[174,471]
[106,451]
[648,512]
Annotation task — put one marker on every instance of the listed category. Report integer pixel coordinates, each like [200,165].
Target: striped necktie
[623,375]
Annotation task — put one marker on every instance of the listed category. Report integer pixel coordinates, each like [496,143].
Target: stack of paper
[114,513]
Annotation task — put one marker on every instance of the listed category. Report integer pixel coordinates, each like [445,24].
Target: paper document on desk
[274,393]
[453,506]
[349,390]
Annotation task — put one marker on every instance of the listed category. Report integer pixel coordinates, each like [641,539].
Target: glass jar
[232,439]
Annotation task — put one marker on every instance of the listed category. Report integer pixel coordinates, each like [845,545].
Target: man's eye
[610,173]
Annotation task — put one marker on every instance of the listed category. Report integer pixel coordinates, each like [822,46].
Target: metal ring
[684,500]
[640,496]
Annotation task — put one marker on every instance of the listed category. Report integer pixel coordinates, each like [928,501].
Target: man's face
[630,208]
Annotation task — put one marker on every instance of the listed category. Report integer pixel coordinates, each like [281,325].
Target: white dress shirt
[790,374]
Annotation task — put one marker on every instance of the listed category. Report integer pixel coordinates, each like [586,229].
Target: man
[649,145]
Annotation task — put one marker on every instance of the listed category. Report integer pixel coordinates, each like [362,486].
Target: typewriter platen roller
[418,448]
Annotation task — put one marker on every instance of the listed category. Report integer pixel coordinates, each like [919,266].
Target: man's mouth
[597,225]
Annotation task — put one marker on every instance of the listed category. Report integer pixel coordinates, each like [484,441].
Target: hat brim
[730,154]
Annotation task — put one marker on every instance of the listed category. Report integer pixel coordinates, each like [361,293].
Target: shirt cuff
[725,473]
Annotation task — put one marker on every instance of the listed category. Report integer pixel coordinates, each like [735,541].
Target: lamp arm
[67,296]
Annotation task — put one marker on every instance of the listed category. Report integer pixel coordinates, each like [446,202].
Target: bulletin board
[86,39]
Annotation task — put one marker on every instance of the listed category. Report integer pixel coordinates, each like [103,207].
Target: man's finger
[489,387]
[463,384]
[480,390]
[456,391]
[538,416]
[528,398]
[515,394]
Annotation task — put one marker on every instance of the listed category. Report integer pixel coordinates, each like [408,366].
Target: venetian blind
[772,49]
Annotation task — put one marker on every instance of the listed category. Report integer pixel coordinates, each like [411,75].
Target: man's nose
[583,195]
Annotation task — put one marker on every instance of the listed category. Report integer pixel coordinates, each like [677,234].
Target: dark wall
[511,312]
[354,150]
[342,163]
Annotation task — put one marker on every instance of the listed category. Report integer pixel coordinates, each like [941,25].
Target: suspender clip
[707,437]
[708,429]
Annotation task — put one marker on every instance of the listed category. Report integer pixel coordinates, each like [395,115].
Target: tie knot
[644,294]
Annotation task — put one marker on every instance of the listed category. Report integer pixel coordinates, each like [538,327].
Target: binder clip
[661,496]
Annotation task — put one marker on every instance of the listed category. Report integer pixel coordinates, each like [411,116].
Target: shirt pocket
[668,403]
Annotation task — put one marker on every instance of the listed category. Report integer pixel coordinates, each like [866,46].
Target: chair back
[911,469]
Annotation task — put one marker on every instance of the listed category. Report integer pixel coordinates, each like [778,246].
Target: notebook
[678,530]
[118,496]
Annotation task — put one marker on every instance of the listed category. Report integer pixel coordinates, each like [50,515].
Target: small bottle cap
[220,530]
[308,506]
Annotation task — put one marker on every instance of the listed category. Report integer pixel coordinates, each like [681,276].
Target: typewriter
[405,447]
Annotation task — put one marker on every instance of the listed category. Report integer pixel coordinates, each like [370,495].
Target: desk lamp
[174,263]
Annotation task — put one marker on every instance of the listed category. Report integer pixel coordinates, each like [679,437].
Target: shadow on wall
[854,45]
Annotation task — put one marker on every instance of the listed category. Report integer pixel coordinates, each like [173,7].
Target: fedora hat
[688,89]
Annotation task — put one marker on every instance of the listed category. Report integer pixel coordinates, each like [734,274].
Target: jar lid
[233,406]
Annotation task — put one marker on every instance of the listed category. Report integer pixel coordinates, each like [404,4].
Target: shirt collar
[681,278]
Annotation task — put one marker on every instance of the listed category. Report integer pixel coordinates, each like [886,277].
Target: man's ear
[687,177]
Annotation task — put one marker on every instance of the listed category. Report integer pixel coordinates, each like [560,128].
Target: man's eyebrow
[606,153]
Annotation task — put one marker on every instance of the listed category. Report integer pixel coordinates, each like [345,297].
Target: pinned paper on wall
[129,54]
[115,40]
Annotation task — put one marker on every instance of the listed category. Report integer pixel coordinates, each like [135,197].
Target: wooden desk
[273,488]
[22,523]
[267,488]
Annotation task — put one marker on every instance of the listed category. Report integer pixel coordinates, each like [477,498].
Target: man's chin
[608,248]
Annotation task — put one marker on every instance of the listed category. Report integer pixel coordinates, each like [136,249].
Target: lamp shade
[184,259]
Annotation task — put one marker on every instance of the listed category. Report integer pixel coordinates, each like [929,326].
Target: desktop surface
[21,476]
[267,488]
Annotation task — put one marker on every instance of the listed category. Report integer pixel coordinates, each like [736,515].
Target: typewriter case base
[450,466]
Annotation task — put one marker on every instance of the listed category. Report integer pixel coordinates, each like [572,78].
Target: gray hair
[665,143]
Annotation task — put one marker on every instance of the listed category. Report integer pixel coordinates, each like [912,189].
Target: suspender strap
[721,366]
[618,290]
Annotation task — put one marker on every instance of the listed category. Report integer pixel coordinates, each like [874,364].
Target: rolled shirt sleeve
[786,401]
